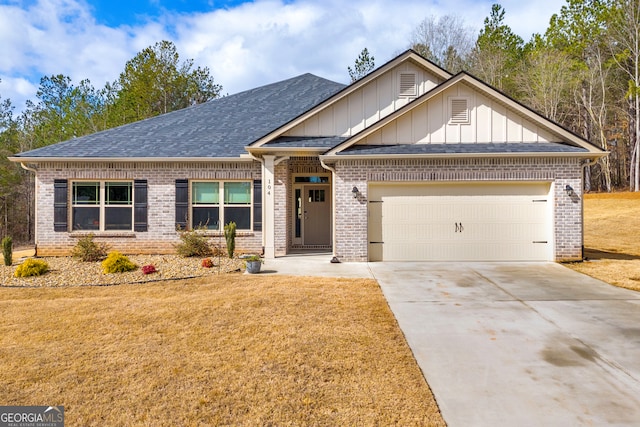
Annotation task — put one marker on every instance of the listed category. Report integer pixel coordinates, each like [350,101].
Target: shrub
[193,243]
[207,263]
[88,250]
[31,267]
[230,237]
[7,250]
[117,263]
[148,269]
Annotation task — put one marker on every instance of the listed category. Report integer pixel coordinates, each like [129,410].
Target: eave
[333,158]
[130,159]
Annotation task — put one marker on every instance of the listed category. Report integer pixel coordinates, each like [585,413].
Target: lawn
[612,239]
[219,350]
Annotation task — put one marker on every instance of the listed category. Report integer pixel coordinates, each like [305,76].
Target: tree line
[582,73]
[154,82]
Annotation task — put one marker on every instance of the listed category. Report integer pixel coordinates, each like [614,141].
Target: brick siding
[161,235]
[351,214]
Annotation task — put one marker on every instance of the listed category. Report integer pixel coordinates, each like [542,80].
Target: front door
[312,216]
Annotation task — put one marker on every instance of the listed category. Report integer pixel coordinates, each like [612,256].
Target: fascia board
[335,158]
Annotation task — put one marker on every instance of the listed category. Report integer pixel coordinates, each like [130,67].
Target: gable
[464,111]
[460,114]
[368,104]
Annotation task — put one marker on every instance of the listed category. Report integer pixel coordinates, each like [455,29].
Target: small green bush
[230,237]
[193,243]
[7,250]
[88,250]
[117,263]
[31,267]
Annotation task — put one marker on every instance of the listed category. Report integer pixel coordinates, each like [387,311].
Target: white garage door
[460,222]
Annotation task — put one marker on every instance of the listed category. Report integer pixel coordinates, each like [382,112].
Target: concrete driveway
[519,344]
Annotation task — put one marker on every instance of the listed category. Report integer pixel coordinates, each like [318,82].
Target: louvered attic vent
[459,111]
[408,84]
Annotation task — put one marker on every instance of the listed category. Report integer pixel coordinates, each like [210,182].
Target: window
[100,205]
[210,210]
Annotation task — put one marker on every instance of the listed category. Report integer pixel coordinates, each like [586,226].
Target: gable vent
[408,84]
[459,111]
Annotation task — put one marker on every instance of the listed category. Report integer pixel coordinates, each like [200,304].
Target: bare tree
[625,30]
[447,41]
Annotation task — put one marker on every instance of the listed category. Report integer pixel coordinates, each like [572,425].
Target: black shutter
[60,203]
[257,205]
[182,203]
[140,205]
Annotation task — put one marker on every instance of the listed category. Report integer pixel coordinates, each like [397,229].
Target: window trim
[101,205]
[221,205]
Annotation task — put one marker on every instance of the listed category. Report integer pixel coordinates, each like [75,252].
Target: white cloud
[246,46]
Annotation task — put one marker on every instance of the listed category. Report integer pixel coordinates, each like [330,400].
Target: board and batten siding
[367,105]
[429,123]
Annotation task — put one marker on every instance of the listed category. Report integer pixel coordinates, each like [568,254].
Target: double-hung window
[220,202]
[102,205]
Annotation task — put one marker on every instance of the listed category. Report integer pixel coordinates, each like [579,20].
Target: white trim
[101,205]
[221,205]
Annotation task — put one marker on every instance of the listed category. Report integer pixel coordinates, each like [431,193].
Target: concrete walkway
[513,344]
[315,265]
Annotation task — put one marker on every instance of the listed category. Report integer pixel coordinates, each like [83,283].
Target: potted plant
[253,263]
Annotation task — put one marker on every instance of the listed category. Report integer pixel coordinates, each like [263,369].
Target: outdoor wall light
[355,192]
[569,191]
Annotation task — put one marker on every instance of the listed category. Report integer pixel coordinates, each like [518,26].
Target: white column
[269,206]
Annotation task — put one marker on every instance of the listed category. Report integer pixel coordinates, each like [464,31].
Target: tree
[625,29]
[155,82]
[364,65]
[447,41]
[580,31]
[63,111]
[545,80]
[497,53]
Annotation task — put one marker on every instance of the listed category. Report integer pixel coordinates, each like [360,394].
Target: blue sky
[244,44]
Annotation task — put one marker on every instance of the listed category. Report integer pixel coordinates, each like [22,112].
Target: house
[407,163]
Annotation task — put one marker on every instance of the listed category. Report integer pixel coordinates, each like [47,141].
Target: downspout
[335,259]
[27,168]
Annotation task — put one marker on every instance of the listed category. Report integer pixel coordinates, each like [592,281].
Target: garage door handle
[459,228]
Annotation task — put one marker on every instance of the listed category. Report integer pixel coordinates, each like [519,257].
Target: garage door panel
[460,222]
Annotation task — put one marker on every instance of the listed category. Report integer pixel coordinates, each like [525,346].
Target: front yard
[217,350]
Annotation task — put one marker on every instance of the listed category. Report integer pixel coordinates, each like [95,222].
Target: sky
[245,44]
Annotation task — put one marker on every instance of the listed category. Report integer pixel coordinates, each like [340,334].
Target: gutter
[335,157]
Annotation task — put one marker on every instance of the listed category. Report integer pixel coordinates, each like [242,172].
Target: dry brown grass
[228,350]
[612,239]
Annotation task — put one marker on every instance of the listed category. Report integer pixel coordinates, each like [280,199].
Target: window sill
[97,233]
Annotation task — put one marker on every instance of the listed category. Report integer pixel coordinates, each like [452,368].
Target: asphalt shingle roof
[408,149]
[325,142]
[218,128]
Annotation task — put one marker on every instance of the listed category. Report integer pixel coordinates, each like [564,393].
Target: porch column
[268,226]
